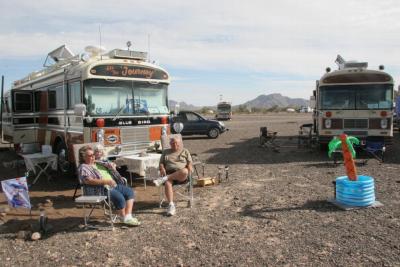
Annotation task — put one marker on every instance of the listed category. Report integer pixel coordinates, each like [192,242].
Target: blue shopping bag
[16,192]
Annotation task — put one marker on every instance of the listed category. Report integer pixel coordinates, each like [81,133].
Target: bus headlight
[328,123]
[100,136]
[117,149]
[384,123]
[164,130]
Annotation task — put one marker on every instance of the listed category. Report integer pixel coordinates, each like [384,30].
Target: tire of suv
[213,133]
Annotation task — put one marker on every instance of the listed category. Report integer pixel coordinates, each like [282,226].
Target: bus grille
[356,123]
[135,135]
[134,148]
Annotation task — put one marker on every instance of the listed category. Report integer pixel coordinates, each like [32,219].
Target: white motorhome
[224,111]
[354,100]
[116,98]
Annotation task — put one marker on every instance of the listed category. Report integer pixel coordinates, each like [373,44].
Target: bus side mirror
[80,110]
[312,102]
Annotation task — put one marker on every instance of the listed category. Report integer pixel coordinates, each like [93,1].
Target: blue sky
[237,49]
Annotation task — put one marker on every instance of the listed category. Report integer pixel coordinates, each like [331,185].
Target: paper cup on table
[46,150]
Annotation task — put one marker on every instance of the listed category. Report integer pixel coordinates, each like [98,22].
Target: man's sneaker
[132,221]
[159,181]
[171,210]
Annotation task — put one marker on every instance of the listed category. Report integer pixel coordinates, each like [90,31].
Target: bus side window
[51,99]
[55,98]
[74,94]
[59,97]
[37,100]
[23,102]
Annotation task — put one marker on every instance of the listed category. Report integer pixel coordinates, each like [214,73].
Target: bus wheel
[61,151]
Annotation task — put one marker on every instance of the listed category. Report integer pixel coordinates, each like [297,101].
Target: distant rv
[304,109]
[224,111]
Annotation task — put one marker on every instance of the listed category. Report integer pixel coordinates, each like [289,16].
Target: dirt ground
[272,210]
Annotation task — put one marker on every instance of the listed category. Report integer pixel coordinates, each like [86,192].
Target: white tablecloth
[32,160]
[138,164]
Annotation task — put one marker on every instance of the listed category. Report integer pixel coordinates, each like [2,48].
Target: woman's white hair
[98,147]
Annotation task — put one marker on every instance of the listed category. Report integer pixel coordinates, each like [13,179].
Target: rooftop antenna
[148,46]
[220,98]
[101,56]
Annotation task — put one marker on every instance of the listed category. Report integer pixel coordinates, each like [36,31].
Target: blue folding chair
[376,148]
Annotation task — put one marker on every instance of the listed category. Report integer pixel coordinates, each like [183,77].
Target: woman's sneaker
[132,221]
[171,210]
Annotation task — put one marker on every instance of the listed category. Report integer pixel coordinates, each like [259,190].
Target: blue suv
[194,123]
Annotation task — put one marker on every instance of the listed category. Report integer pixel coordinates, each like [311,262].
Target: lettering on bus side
[109,122]
[138,122]
[125,123]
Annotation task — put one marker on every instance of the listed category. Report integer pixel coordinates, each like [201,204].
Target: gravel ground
[272,210]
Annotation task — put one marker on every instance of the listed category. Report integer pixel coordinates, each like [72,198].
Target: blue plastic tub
[358,193]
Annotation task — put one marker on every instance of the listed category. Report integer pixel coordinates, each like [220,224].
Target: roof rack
[61,63]
[128,54]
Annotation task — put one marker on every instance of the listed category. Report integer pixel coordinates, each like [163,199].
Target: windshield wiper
[119,111]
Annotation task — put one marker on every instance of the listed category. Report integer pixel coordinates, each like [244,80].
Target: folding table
[139,164]
[41,162]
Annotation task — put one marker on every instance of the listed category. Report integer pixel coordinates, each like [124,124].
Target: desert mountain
[268,101]
[182,105]
[261,101]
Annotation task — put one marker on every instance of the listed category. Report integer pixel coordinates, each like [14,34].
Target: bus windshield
[224,108]
[111,97]
[360,97]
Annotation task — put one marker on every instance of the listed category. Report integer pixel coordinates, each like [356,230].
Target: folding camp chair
[375,147]
[183,190]
[93,196]
[91,201]
[267,139]
[305,137]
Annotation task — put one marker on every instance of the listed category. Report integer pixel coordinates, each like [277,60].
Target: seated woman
[101,160]
[175,166]
[98,174]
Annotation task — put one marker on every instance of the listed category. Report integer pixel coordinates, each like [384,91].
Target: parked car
[194,123]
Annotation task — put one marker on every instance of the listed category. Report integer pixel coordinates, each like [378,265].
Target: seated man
[175,166]
[98,174]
